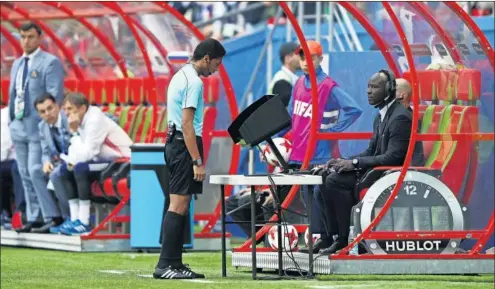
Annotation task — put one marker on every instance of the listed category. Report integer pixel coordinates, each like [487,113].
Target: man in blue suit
[33,74]
[55,137]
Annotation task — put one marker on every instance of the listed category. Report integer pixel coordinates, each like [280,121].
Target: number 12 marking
[411,190]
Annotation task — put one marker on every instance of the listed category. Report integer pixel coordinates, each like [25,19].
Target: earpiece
[390,86]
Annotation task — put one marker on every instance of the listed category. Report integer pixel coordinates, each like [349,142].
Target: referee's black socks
[172,243]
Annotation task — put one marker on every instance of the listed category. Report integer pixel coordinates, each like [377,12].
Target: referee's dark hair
[210,47]
[30,25]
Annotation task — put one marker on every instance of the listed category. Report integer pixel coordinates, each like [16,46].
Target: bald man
[403,94]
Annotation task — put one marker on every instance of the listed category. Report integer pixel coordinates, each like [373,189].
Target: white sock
[74,209]
[84,208]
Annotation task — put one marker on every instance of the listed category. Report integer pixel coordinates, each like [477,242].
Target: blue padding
[147,158]
[147,203]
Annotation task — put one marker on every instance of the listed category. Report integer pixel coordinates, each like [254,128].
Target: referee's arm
[193,96]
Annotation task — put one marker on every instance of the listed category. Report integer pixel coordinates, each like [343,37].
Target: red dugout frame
[158,7]
[481,235]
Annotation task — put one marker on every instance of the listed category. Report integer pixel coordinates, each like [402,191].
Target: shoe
[45,228]
[25,228]
[188,272]
[170,273]
[336,246]
[318,245]
[76,228]
[65,225]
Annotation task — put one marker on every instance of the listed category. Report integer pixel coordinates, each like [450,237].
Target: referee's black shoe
[170,273]
[188,272]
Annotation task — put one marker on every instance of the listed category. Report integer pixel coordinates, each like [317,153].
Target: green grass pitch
[30,268]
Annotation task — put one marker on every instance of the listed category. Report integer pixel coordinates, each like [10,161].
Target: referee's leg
[181,185]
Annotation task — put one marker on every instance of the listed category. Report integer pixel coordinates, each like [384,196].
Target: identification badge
[19,107]
[34,74]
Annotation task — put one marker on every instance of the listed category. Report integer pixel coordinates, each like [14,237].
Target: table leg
[253,230]
[310,240]
[224,249]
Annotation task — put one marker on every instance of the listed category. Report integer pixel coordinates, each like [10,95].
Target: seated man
[403,95]
[388,147]
[54,136]
[96,141]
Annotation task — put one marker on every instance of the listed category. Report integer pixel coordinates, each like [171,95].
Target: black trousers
[337,192]
[77,183]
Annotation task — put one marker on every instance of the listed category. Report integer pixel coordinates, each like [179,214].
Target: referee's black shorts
[180,166]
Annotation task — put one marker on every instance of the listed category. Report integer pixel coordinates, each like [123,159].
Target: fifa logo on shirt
[302,109]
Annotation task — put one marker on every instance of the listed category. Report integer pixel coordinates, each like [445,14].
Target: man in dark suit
[388,147]
[54,136]
[403,95]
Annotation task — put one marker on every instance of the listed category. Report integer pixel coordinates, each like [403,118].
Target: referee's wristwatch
[355,163]
[198,162]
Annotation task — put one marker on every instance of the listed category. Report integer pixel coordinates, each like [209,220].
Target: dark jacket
[388,146]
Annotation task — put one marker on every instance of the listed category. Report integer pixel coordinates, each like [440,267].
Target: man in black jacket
[403,95]
[388,147]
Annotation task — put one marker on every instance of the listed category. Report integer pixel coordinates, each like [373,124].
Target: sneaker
[76,228]
[170,273]
[188,272]
[64,225]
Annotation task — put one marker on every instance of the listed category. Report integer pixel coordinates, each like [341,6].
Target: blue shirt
[185,90]
[341,111]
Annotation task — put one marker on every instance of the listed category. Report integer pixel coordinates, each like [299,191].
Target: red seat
[5,91]
[121,89]
[161,89]
[210,115]
[135,87]
[469,85]
[123,188]
[97,91]
[85,88]
[211,89]
[109,91]
[71,84]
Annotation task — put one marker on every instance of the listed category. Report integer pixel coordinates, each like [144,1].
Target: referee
[184,153]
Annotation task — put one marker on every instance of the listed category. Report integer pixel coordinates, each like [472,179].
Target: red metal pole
[488,232]
[424,11]
[155,41]
[314,118]
[68,54]
[103,38]
[115,7]
[11,39]
[485,44]
[229,91]
[412,141]
[375,34]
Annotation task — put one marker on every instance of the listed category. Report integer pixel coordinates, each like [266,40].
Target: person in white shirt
[10,178]
[96,141]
